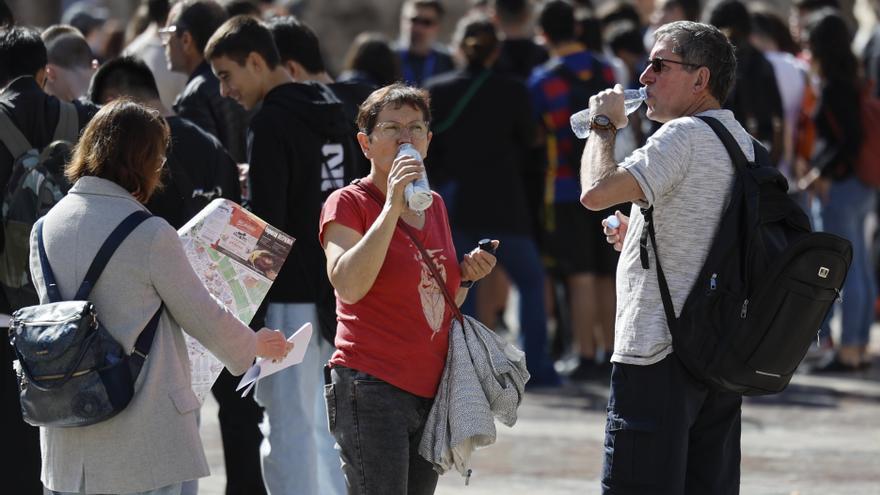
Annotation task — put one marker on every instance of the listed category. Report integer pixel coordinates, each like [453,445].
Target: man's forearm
[597,162]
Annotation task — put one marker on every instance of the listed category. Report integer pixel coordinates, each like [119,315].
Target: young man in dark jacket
[186,32]
[290,140]
[300,55]
[23,61]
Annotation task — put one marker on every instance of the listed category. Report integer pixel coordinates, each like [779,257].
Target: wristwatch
[467,284]
[602,122]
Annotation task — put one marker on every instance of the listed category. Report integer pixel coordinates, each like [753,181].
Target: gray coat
[484,378]
[155,441]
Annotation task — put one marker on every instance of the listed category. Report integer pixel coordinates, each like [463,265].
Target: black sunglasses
[657,64]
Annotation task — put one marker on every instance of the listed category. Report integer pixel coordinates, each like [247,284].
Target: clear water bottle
[632,100]
[417,193]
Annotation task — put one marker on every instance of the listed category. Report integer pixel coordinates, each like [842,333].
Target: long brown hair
[125,142]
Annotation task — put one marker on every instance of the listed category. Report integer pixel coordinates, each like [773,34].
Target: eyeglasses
[393,130]
[166,32]
[656,64]
[423,21]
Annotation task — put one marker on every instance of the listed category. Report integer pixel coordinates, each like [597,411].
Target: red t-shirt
[399,331]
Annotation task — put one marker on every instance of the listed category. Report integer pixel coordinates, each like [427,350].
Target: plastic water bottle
[632,100]
[417,193]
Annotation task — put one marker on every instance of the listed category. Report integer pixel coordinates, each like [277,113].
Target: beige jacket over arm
[155,441]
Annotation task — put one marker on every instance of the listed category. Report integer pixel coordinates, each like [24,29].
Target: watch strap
[608,126]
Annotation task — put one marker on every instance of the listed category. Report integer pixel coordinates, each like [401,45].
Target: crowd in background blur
[503,157]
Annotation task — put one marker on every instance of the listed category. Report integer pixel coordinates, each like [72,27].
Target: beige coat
[155,441]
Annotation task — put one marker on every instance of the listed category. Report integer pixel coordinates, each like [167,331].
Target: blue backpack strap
[48,276]
[144,342]
[106,252]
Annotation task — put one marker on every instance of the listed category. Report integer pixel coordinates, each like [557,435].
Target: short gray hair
[705,46]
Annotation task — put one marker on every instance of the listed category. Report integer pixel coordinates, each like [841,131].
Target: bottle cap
[612,222]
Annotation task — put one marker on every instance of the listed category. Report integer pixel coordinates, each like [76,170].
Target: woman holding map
[393,320]
[153,445]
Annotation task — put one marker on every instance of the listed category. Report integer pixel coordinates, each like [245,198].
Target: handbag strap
[428,261]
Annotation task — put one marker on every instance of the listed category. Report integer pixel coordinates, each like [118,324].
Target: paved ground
[820,437]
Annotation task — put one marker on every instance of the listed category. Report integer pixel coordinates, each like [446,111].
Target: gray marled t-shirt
[686,174]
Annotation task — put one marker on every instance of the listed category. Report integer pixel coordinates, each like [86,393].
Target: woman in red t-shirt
[393,320]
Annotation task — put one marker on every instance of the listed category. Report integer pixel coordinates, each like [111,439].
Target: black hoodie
[298,144]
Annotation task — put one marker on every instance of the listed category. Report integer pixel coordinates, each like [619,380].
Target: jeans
[519,256]
[668,434]
[378,428]
[297,453]
[165,490]
[849,203]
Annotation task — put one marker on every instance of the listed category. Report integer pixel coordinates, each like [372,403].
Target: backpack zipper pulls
[745,309]
[713,282]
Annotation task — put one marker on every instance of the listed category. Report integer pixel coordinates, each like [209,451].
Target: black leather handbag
[71,371]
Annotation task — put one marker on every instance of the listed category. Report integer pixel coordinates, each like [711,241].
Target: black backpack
[765,288]
[36,183]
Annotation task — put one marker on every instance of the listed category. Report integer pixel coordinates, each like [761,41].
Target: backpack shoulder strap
[665,296]
[740,162]
[12,137]
[106,252]
[67,128]
[48,276]
[143,343]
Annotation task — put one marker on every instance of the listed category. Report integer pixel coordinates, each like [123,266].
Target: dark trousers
[21,440]
[667,433]
[239,419]
[378,428]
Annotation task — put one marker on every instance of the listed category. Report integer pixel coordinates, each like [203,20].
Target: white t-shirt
[686,174]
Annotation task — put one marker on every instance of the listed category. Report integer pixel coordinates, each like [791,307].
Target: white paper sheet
[265,367]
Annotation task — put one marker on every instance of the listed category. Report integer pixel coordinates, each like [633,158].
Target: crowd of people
[198,99]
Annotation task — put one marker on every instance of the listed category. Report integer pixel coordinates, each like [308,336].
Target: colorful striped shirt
[550,87]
